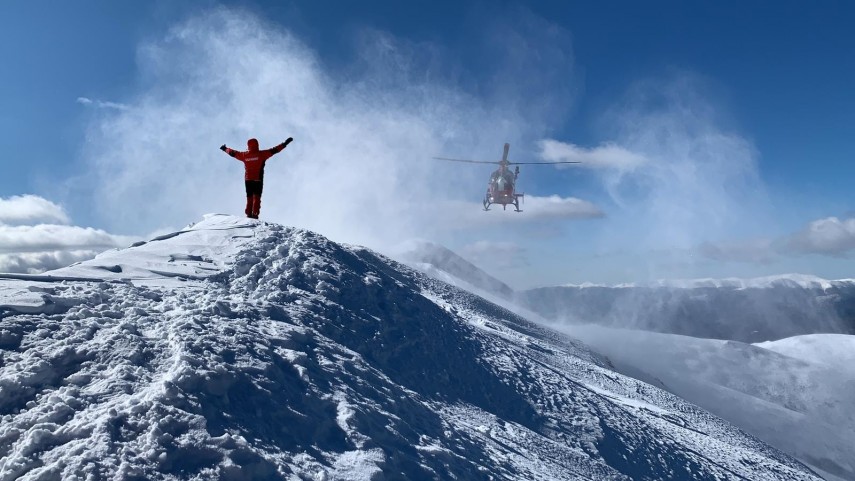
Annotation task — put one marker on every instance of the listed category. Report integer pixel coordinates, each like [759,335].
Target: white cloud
[557,207]
[102,104]
[607,156]
[38,262]
[359,169]
[48,237]
[535,209]
[32,240]
[27,209]
[830,236]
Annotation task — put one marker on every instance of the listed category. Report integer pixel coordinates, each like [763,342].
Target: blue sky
[742,114]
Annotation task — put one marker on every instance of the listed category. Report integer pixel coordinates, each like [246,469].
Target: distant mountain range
[746,310]
[752,310]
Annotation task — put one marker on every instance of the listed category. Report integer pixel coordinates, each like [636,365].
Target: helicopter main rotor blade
[546,163]
[505,154]
[468,161]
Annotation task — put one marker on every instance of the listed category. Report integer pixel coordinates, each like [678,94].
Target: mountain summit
[237,349]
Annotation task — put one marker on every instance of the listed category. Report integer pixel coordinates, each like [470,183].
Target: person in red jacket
[253,161]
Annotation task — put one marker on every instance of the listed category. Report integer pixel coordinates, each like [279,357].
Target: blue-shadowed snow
[800,406]
[239,349]
[716,378]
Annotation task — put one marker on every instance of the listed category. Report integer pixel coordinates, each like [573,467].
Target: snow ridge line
[306,359]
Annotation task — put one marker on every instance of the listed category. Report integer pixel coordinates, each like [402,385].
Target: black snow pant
[253,197]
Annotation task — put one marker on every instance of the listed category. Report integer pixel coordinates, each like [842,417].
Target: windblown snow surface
[795,393]
[795,402]
[238,349]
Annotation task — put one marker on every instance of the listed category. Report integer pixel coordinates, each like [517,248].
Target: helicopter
[502,183]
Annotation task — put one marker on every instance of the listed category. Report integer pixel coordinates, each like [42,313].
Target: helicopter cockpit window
[503,182]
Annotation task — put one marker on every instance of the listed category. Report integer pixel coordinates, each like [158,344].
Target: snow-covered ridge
[197,252]
[747,310]
[446,265]
[804,281]
[835,350]
[238,349]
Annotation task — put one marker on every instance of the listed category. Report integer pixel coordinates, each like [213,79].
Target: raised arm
[280,147]
[234,153]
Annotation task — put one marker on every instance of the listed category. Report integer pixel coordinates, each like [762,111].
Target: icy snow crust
[248,350]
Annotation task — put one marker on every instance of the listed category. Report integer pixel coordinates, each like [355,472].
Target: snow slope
[801,407]
[444,264]
[835,350]
[238,349]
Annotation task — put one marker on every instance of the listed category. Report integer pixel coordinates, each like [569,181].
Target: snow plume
[504,255]
[678,176]
[699,181]
[35,236]
[359,169]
